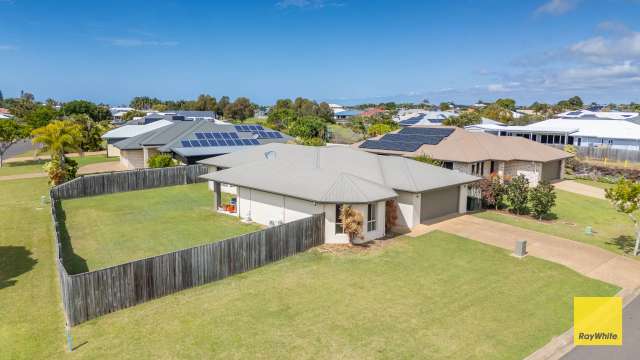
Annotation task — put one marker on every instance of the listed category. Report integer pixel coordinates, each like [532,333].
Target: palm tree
[58,137]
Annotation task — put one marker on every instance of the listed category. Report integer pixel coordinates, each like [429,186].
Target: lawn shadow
[26,163]
[74,263]
[625,243]
[14,261]
[550,217]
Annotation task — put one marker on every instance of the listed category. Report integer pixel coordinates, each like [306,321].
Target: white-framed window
[372,217]
[339,226]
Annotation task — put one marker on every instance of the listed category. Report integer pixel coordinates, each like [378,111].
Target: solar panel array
[408,139]
[248,128]
[259,131]
[207,142]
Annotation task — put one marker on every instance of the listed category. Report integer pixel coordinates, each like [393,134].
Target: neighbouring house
[474,153]
[190,141]
[344,117]
[177,115]
[118,113]
[615,134]
[127,131]
[435,118]
[280,183]
[600,115]
[336,108]
[5,114]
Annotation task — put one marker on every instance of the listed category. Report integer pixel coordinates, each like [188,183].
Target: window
[493,167]
[447,165]
[543,139]
[372,217]
[610,141]
[339,227]
[579,141]
[556,139]
[477,168]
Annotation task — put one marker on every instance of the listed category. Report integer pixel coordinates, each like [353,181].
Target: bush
[542,198]
[352,221]
[308,127]
[492,191]
[517,191]
[60,172]
[378,129]
[311,141]
[161,161]
[427,160]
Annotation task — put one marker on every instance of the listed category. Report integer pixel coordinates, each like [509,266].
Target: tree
[427,160]
[161,161]
[542,198]
[279,119]
[130,115]
[492,191]
[27,96]
[525,120]
[352,221]
[78,107]
[444,106]
[240,109]
[222,105]
[58,137]
[41,116]
[1,97]
[507,103]
[308,127]
[10,133]
[91,132]
[378,129]
[20,108]
[517,194]
[625,196]
[576,102]
[465,119]
[325,112]
[205,102]
[144,102]
[497,113]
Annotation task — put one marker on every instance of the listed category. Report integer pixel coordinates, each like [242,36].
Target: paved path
[578,188]
[630,348]
[47,157]
[87,169]
[586,259]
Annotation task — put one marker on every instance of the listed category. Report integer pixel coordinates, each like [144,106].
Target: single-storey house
[344,117]
[615,134]
[473,153]
[190,141]
[127,131]
[278,183]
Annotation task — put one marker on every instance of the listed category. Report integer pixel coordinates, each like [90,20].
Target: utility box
[521,248]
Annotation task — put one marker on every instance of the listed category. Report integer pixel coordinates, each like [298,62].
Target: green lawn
[112,229]
[35,166]
[437,296]
[343,135]
[31,320]
[611,230]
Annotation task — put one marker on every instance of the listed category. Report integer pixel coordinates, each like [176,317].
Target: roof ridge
[409,174]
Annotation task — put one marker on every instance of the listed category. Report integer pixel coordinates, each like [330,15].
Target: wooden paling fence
[91,294]
[602,153]
[121,181]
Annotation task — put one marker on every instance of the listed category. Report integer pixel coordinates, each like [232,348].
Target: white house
[278,183]
[128,131]
[616,134]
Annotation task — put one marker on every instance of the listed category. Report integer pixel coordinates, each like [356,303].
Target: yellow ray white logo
[597,320]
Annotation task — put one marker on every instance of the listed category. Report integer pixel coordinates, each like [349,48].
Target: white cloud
[557,7]
[602,49]
[132,42]
[306,4]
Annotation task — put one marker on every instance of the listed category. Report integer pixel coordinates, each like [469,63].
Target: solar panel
[427,131]
[429,140]
[390,145]
[253,127]
[217,135]
[237,142]
[185,143]
[208,135]
[226,135]
[246,141]
[195,143]
[204,142]
[254,142]
[234,135]
[213,142]
[239,127]
[409,122]
[200,135]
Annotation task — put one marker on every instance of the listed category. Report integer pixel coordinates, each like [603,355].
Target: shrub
[517,191]
[492,191]
[378,129]
[427,160]
[311,141]
[161,161]
[542,198]
[60,171]
[352,222]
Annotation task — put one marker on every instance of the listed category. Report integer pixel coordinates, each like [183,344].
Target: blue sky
[339,50]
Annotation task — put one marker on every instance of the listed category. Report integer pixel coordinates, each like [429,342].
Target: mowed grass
[598,184]
[35,166]
[31,319]
[612,230]
[436,296]
[343,135]
[112,229]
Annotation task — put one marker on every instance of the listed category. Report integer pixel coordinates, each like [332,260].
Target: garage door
[439,203]
[551,170]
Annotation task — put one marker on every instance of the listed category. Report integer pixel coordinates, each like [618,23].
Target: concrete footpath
[578,188]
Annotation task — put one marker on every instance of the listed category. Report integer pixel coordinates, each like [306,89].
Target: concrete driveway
[578,188]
